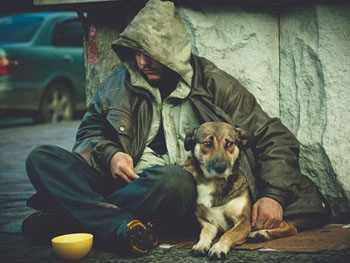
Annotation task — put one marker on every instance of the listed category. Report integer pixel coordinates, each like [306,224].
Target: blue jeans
[66,184]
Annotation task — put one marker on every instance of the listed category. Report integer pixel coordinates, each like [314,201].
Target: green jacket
[119,116]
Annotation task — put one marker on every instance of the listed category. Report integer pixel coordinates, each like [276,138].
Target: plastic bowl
[72,246]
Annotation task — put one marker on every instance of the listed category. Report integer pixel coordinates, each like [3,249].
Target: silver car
[42,72]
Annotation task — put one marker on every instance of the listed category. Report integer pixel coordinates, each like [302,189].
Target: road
[17,138]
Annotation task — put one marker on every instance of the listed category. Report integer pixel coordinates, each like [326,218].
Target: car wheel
[56,104]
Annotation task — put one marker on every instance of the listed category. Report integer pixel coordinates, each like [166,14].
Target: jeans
[67,185]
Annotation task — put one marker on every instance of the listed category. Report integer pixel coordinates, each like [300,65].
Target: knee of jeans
[177,182]
[37,154]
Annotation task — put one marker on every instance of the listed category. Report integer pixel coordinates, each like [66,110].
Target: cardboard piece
[329,237]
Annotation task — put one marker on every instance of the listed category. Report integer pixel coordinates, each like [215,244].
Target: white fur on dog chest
[204,192]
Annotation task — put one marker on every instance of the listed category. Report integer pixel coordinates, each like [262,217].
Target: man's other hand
[267,214]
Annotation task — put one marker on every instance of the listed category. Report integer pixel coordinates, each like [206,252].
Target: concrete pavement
[17,141]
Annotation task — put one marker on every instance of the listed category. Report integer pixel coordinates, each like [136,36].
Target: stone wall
[295,61]
[314,94]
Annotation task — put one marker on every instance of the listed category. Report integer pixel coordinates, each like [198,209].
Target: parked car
[42,72]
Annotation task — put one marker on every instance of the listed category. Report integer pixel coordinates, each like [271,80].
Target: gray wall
[295,61]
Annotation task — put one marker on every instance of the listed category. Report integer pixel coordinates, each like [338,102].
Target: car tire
[56,104]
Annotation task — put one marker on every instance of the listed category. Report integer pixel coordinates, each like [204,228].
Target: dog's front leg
[238,212]
[233,237]
[208,233]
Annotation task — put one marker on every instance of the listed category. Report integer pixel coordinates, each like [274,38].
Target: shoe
[140,237]
[153,236]
[39,226]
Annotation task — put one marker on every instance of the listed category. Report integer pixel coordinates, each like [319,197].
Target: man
[125,167]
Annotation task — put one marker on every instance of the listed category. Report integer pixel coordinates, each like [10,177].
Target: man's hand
[122,166]
[267,214]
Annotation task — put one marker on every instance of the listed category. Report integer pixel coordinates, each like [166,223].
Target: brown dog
[223,202]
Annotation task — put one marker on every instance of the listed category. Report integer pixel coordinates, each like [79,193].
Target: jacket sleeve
[275,147]
[94,137]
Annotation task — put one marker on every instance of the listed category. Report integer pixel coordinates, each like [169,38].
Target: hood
[159,32]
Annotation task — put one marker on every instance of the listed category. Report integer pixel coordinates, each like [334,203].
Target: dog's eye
[229,144]
[208,144]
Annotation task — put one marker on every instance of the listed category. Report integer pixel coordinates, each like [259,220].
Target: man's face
[152,69]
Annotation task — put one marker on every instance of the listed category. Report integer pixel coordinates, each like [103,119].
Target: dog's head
[216,146]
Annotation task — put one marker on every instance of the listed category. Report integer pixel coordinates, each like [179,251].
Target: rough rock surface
[315,67]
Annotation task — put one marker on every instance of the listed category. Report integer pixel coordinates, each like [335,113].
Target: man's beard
[166,84]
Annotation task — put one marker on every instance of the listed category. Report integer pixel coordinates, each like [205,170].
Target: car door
[67,40]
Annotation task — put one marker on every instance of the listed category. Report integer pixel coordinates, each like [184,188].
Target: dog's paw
[258,236]
[218,251]
[201,249]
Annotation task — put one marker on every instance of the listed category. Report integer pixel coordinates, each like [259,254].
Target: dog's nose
[220,168]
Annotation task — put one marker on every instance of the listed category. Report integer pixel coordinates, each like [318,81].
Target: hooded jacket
[119,116]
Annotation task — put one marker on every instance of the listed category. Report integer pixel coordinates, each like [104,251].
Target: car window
[18,28]
[68,33]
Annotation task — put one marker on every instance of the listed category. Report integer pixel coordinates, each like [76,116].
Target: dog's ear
[243,136]
[190,140]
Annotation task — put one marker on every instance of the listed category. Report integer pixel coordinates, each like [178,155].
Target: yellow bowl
[72,246]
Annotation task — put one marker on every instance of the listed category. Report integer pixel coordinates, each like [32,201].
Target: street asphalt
[16,141]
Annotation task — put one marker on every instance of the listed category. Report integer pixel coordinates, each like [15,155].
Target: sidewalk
[15,188]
